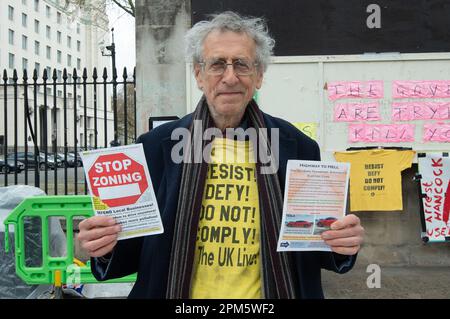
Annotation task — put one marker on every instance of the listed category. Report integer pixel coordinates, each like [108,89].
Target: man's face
[228,94]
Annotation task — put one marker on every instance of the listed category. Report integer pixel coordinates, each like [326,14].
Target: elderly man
[222,218]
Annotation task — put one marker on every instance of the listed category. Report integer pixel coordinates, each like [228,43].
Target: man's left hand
[346,235]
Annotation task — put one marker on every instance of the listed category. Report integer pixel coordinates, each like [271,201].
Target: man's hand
[346,235]
[98,235]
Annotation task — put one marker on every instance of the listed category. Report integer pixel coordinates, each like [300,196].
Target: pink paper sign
[354,112]
[355,89]
[386,133]
[436,132]
[409,111]
[420,89]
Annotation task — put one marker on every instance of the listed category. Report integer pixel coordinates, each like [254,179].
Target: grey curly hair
[256,28]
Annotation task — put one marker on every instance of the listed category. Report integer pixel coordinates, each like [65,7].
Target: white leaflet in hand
[315,196]
[121,187]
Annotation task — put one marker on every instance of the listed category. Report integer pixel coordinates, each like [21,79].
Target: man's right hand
[98,235]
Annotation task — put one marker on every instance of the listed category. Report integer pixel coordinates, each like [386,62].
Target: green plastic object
[63,269]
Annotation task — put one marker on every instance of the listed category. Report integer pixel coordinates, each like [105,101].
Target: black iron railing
[52,132]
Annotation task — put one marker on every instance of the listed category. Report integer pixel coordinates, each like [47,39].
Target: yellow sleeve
[340,156]
[405,160]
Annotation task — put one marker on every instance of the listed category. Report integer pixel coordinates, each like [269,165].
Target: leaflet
[315,197]
[121,187]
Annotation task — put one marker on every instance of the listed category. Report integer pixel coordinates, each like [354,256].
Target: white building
[43,34]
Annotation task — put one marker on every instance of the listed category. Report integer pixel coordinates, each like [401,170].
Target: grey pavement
[421,282]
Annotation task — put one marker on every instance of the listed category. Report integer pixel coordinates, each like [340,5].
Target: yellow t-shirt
[375,178]
[227,252]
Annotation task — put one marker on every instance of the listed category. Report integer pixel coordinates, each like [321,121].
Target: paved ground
[395,283]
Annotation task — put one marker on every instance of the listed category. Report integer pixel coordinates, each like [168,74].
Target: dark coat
[150,255]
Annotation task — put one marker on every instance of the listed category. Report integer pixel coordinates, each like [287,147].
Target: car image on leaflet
[326,222]
[299,224]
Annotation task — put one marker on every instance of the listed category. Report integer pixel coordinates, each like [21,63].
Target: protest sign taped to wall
[434,172]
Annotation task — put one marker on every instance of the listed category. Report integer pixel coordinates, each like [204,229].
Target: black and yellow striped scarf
[276,267]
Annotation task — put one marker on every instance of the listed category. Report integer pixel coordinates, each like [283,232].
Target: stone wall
[160,61]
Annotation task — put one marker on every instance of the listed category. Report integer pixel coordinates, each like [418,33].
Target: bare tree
[126,5]
[92,5]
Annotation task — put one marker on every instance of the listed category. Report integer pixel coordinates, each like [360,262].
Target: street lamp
[112,49]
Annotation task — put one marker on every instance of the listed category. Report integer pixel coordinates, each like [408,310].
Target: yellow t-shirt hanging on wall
[227,252]
[375,178]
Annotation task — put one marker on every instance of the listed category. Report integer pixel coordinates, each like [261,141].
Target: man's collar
[243,125]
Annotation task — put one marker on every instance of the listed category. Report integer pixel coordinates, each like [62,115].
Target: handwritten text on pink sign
[389,133]
[355,89]
[409,111]
[420,89]
[436,132]
[353,112]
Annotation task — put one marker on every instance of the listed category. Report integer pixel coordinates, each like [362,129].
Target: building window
[24,20]
[36,26]
[48,32]
[49,72]
[37,67]
[11,61]
[49,52]
[59,75]
[78,45]
[10,13]
[49,90]
[58,17]
[37,46]
[24,2]
[11,36]
[69,60]
[24,64]
[36,5]
[58,56]
[78,64]
[58,36]
[47,11]
[69,41]
[78,28]
[24,42]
